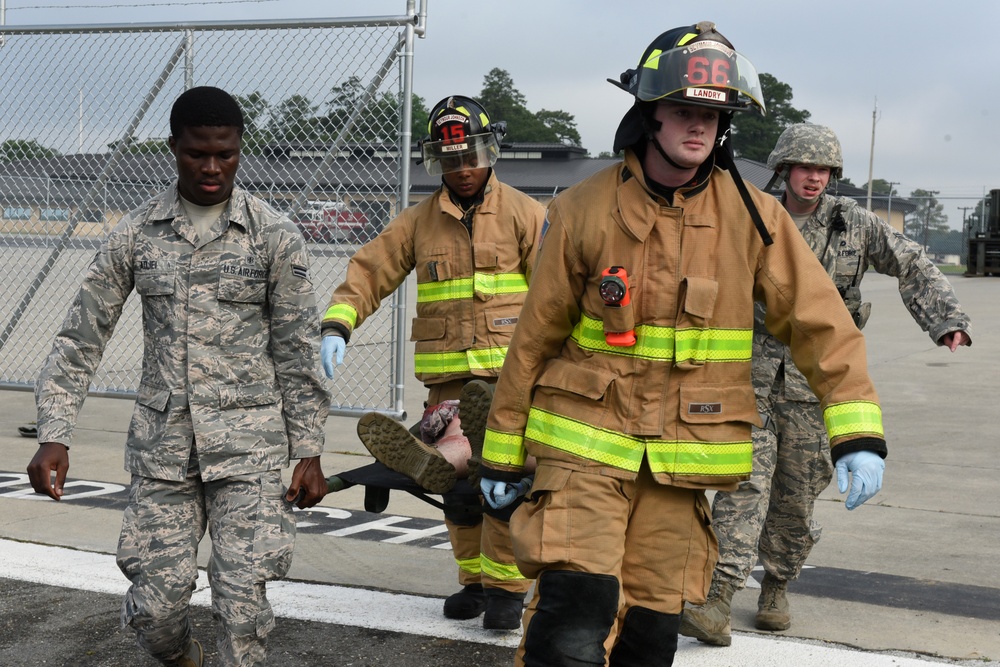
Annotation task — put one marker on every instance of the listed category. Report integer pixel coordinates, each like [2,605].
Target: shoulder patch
[300,271]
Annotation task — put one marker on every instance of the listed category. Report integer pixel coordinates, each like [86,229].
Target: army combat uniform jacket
[848,239]
[470,287]
[229,361]
[681,397]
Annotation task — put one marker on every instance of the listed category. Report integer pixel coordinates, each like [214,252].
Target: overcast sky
[931,66]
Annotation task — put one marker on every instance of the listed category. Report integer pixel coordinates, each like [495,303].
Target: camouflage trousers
[252,532]
[771,514]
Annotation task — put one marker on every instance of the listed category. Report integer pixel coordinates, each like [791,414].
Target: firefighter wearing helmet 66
[630,431]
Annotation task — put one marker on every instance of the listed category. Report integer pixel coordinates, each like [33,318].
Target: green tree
[377,122]
[420,116]
[928,218]
[881,186]
[754,136]
[505,102]
[255,111]
[294,120]
[563,124]
[24,149]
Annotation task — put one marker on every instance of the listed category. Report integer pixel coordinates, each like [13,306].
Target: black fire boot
[503,609]
[647,639]
[468,603]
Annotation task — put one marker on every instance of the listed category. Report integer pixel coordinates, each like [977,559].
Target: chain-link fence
[85,114]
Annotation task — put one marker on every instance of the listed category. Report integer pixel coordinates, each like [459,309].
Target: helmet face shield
[705,73]
[459,153]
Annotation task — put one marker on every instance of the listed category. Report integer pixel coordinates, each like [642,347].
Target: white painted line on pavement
[394,612]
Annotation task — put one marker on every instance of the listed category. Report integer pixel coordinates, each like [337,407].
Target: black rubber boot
[468,603]
[503,609]
[574,615]
[647,639]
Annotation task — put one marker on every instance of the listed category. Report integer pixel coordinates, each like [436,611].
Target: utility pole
[963,209]
[871,155]
[927,222]
[888,214]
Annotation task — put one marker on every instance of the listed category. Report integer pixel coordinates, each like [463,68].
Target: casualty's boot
[503,609]
[395,447]
[473,408]
[709,623]
[193,657]
[468,603]
[772,606]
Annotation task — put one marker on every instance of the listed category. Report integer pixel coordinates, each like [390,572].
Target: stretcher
[379,481]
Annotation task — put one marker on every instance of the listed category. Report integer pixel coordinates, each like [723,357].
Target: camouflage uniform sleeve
[294,343]
[925,291]
[66,374]
[374,272]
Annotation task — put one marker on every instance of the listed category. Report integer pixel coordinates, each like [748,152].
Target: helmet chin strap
[805,201]
[650,133]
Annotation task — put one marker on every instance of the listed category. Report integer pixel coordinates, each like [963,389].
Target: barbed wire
[173,3]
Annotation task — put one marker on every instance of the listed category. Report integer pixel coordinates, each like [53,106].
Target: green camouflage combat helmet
[807,143]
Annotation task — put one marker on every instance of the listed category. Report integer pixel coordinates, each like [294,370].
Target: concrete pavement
[908,578]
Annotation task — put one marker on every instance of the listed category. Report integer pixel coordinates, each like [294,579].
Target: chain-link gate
[85,119]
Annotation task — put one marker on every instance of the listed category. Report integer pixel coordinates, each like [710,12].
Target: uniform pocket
[155,283]
[241,290]
[693,334]
[540,528]
[427,328]
[500,323]
[718,413]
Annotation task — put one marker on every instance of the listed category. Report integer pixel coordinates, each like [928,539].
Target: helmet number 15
[705,72]
[452,133]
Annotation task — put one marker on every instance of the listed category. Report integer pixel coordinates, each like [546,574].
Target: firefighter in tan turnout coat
[472,246]
[628,377]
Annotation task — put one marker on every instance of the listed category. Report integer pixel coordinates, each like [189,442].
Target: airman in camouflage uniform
[229,391]
[771,514]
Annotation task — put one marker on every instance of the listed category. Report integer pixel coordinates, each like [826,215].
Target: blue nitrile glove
[333,347]
[501,494]
[866,476]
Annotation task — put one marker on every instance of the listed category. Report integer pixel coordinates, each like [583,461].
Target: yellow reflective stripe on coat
[437,363]
[703,345]
[469,565]
[853,418]
[342,311]
[444,290]
[500,571]
[700,458]
[489,284]
[651,342]
[500,283]
[625,451]
[668,344]
[506,449]
[596,444]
